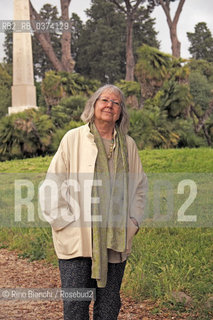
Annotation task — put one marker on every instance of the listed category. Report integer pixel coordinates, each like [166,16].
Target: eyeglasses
[105,101]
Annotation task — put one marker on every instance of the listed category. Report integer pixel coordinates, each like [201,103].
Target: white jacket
[69,210]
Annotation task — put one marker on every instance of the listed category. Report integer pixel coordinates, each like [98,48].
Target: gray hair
[88,113]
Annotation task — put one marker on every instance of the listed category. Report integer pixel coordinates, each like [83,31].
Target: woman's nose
[110,103]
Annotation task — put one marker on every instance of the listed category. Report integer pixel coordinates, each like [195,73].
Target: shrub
[25,134]
[200,89]
[175,98]
[76,84]
[70,109]
[5,90]
[132,92]
[187,136]
[58,85]
[59,133]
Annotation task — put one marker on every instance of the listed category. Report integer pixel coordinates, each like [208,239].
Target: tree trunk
[66,63]
[48,49]
[205,117]
[130,11]
[130,61]
[208,138]
[175,42]
[172,24]
[202,120]
[67,60]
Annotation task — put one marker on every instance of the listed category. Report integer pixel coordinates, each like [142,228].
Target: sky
[194,11]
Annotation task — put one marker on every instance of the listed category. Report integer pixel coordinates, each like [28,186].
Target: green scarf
[110,233]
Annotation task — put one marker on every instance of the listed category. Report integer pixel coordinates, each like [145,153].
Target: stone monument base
[20,109]
[23,95]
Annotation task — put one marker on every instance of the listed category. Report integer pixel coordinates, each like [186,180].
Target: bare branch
[34,15]
[128,5]
[166,9]
[44,40]
[204,118]
[178,11]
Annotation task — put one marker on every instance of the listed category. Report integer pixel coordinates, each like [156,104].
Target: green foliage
[76,31]
[203,67]
[187,136]
[69,109]
[101,53]
[132,92]
[201,42]
[129,88]
[75,84]
[58,85]
[36,246]
[103,41]
[159,66]
[8,48]
[150,129]
[143,30]
[42,64]
[52,88]
[175,98]
[25,134]
[152,64]
[169,259]
[5,90]
[155,67]
[200,89]
[59,133]
[163,121]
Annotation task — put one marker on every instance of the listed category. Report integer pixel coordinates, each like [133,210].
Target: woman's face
[107,107]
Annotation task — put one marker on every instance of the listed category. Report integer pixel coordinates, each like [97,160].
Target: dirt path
[19,273]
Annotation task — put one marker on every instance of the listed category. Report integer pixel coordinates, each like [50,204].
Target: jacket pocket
[132,229]
[67,240]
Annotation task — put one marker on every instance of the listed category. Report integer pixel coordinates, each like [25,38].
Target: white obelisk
[23,89]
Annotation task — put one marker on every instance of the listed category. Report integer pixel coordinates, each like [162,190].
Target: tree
[57,85]
[143,31]
[201,42]
[150,128]
[156,71]
[66,63]
[131,12]
[41,61]
[5,89]
[172,23]
[103,41]
[201,91]
[8,48]
[101,52]
[76,31]
[151,70]
[203,67]
[52,89]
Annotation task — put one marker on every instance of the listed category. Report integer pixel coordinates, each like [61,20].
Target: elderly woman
[100,205]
